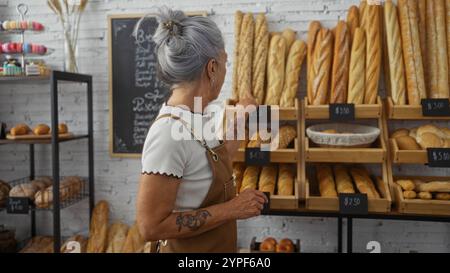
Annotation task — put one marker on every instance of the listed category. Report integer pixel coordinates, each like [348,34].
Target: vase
[70,49]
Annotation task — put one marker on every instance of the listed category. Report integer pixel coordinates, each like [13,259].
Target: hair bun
[171,20]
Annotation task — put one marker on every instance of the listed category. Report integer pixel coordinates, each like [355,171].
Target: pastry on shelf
[423,137]
[419,189]
[20,130]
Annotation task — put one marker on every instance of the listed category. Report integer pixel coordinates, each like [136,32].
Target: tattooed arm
[157,221]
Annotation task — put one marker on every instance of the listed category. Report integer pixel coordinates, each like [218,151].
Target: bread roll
[76,238]
[430,128]
[395,55]
[285,246]
[357,78]
[341,61]
[424,195]
[413,133]
[321,67]
[246,56]
[429,140]
[268,178]
[62,128]
[343,180]
[238,17]
[286,178]
[326,182]
[20,129]
[406,185]
[353,21]
[289,36]
[285,136]
[292,77]
[238,172]
[443,196]
[260,49]
[98,230]
[313,32]
[275,70]
[364,183]
[250,180]
[41,129]
[407,143]
[268,245]
[409,194]
[117,234]
[411,51]
[24,190]
[134,242]
[373,54]
[400,132]
[435,186]
[40,185]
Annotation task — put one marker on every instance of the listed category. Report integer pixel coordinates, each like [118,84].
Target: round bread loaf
[400,132]
[429,140]
[407,143]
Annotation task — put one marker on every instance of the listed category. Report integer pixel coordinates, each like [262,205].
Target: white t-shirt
[164,153]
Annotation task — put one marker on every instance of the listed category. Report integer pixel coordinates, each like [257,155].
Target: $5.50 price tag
[342,112]
[353,203]
[438,157]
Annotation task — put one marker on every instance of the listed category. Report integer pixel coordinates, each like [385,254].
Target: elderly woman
[187,198]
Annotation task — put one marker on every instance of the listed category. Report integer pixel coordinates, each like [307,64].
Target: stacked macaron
[26,48]
[21,25]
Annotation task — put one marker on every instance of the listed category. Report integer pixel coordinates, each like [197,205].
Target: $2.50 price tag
[353,203]
[342,112]
[439,157]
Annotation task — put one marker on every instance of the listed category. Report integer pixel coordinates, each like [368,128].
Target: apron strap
[202,142]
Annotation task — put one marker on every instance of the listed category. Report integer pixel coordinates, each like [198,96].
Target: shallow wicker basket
[353,136]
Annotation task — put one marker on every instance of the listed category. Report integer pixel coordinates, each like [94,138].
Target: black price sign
[342,112]
[18,205]
[439,157]
[256,157]
[353,203]
[435,107]
[266,207]
[2,130]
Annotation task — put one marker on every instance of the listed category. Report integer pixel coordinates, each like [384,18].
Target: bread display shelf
[285,113]
[419,206]
[45,140]
[84,193]
[362,111]
[316,202]
[37,137]
[407,156]
[288,155]
[286,201]
[254,246]
[24,79]
[411,112]
[345,155]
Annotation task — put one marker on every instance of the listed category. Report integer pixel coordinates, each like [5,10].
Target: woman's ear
[211,68]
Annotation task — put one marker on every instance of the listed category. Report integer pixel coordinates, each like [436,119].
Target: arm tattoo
[192,221]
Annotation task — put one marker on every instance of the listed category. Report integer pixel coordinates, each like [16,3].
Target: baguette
[441,41]
[435,186]
[364,183]
[395,55]
[76,238]
[98,230]
[238,172]
[286,177]
[268,178]
[238,16]
[343,180]
[357,76]
[443,196]
[134,242]
[373,54]
[447,19]
[432,72]
[250,180]
[289,36]
[117,234]
[313,32]
[285,136]
[327,186]
[246,56]
[422,24]
[260,49]
[341,61]
[353,21]
[292,76]
[321,67]
[411,52]
[275,70]
[363,14]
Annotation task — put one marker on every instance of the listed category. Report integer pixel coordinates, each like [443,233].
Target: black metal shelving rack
[54,78]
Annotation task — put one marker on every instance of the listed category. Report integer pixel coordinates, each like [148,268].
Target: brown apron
[222,239]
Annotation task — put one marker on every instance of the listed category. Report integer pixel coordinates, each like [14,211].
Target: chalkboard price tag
[435,107]
[18,205]
[266,207]
[353,203]
[342,112]
[439,157]
[256,157]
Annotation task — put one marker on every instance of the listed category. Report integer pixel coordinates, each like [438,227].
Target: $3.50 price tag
[439,157]
[353,203]
[342,112]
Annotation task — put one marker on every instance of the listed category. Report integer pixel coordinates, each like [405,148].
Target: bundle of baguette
[266,67]
[418,189]
[336,179]
[423,137]
[39,130]
[269,244]
[276,179]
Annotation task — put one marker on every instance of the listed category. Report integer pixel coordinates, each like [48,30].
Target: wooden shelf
[407,156]
[285,201]
[24,79]
[40,141]
[409,112]
[285,113]
[362,111]
[289,155]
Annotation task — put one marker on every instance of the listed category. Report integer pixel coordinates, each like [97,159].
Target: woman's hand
[247,204]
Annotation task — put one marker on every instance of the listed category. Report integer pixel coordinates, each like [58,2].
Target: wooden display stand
[409,112]
[362,111]
[407,156]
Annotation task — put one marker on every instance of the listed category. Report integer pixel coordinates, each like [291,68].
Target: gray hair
[184,45]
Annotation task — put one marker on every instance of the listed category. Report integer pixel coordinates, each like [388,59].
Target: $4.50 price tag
[439,157]
[342,112]
[256,157]
[353,203]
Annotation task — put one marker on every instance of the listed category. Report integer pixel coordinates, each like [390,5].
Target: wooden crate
[411,112]
[288,155]
[254,246]
[286,201]
[362,111]
[407,156]
[285,113]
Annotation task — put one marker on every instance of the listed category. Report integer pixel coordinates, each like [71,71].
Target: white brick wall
[116,179]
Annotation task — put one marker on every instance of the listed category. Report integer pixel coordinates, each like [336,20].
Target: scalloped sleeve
[162,154]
